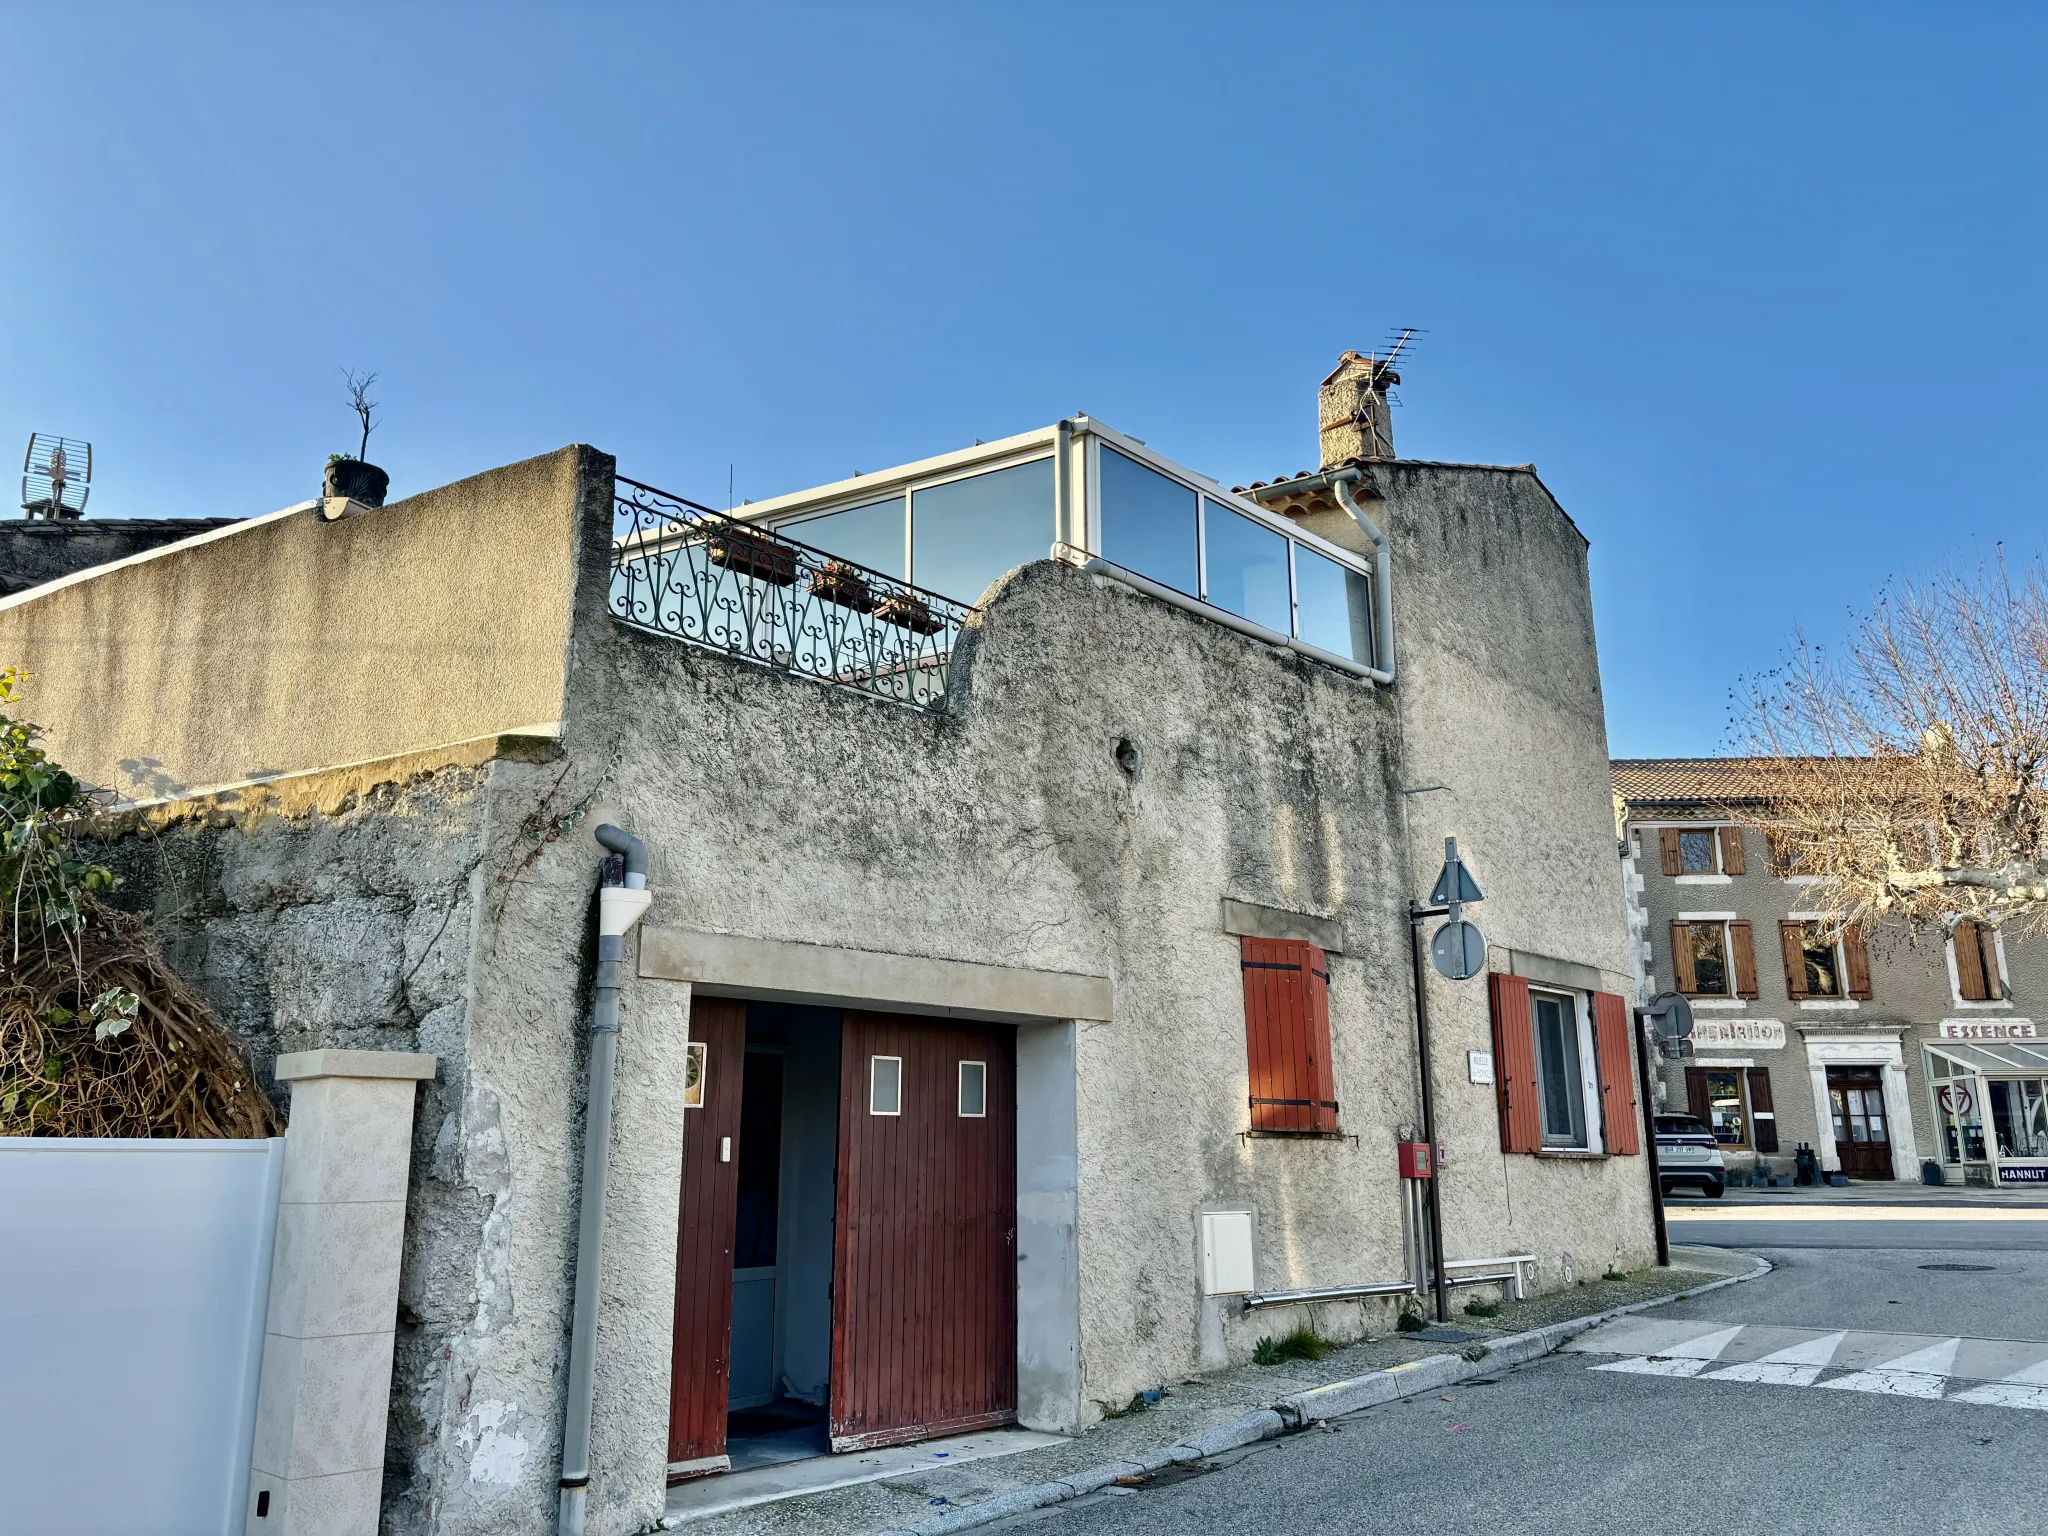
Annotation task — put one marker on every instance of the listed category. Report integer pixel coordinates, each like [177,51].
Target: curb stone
[1301,1410]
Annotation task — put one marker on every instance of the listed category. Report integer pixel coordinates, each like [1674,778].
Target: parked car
[1687,1154]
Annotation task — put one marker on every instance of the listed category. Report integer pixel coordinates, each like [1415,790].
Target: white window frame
[1594,1127]
[1718,875]
[960,1097]
[1841,1001]
[1721,920]
[1955,977]
[874,1076]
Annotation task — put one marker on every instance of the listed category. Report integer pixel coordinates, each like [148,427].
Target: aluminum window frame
[960,1091]
[874,1079]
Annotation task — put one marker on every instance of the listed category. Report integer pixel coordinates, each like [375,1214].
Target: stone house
[1877,1051]
[1026,1010]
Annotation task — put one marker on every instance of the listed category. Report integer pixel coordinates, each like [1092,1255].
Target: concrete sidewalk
[1950,1196]
[1201,1416]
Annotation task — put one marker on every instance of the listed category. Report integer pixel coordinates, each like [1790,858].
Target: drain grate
[1969,1269]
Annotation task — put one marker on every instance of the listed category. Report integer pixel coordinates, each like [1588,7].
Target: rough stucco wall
[1500,697]
[289,643]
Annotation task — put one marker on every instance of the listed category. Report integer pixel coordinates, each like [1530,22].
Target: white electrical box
[1227,1253]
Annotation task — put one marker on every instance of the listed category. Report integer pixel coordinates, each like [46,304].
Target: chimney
[1351,409]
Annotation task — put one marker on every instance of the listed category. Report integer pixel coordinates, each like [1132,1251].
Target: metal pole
[1650,1141]
[1436,1202]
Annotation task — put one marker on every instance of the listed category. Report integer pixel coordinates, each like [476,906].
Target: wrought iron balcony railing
[682,570]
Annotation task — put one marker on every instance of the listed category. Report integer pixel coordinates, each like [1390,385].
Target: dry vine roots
[174,1072]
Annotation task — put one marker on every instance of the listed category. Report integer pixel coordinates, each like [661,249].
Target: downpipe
[619,907]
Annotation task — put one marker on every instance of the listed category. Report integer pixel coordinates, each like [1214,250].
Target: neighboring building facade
[1025,982]
[1877,1051]
[36,550]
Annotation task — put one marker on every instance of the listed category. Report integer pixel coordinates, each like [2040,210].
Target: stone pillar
[318,1463]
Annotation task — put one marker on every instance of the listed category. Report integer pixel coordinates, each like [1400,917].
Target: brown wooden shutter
[1287,1036]
[1987,945]
[1618,1108]
[1778,851]
[1742,955]
[1514,1064]
[1731,851]
[1763,1123]
[1856,961]
[1969,952]
[1792,938]
[1696,1098]
[1681,959]
[1667,846]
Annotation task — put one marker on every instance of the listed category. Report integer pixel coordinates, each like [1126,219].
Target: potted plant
[907,610]
[351,474]
[837,582]
[750,552]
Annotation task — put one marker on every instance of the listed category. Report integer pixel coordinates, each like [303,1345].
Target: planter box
[752,554]
[907,611]
[844,585]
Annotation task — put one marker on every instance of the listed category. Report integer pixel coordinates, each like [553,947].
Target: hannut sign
[1767,1034]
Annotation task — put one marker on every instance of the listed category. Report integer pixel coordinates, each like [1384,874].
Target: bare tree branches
[360,402]
[1911,770]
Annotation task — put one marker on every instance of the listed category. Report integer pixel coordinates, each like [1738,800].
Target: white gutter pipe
[619,907]
[1382,570]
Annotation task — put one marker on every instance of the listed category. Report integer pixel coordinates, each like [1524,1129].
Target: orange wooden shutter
[1514,1064]
[1987,945]
[1856,961]
[1682,976]
[1667,849]
[1287,1035]
[1617,1074]
[1731,851]
[1742,955]
[1792,939]
[1971,978]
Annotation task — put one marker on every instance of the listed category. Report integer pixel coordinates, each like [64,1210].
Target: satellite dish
[56,477]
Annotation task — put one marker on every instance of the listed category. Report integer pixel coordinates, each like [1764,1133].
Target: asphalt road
[1562,1443]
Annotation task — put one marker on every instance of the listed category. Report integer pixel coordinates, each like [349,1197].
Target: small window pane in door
[966,533]
[870,535]
[1247,569]
[1148,523]
[885,1085]
[973,1089]
[1332,605]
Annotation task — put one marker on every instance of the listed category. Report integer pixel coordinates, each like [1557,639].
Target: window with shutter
[1514,1064]
[1731,851]
[1792,940]
[1742,956]
[1618,1109]
[1976,948]
[1856,961]
[1287,1036]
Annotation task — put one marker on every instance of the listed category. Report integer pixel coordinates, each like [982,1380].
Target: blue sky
[1759,289]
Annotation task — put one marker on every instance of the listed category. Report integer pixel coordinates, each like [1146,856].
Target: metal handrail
[682,570]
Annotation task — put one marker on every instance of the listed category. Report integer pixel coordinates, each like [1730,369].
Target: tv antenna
[56,477]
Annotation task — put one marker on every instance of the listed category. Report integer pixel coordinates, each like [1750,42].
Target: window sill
[1571,1154]
[1717,1000]
[1982,1007]
[1704,879]
[1829,1004]
[1297,1135]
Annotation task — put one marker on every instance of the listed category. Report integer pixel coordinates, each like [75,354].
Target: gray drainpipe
[1382,569]
[619,907]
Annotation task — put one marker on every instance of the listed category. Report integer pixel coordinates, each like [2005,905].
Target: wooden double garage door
[924,1253]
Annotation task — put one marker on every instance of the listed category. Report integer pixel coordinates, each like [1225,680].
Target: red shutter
[1287,1036]
[1762,1120]
[1617,1074]
[1514,1064]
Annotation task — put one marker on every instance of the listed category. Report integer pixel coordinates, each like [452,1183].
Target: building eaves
[1275,493]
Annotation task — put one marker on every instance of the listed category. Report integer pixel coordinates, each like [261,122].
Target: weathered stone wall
[32,553]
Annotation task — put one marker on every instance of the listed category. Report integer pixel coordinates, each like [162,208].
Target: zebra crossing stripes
[2002,1373]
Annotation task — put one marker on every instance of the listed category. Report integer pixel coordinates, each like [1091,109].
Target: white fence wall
[134,1280]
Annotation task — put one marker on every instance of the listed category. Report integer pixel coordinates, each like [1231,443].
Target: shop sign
[1765,1034]
[1988,1029]
[2023,1173]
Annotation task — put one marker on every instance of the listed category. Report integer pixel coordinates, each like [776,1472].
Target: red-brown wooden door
[924,1290]
[703,1332]
[1862,1139]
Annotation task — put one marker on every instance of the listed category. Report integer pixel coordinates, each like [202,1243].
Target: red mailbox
[1415,1160]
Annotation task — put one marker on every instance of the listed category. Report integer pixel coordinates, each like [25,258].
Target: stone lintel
[1247,919]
